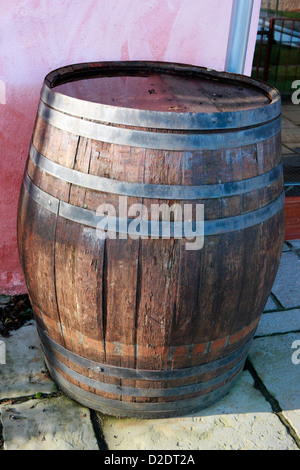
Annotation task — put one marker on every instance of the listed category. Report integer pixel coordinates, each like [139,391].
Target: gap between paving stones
[280,307]
[259,385]
[258,382]
[276,302]
[294,247]
[97,426]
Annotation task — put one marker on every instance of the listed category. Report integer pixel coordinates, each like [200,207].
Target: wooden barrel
[141,324]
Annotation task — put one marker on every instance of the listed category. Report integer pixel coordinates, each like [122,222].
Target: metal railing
[277,53]
[291,173]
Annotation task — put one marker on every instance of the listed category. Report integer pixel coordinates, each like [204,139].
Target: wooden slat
[36,241]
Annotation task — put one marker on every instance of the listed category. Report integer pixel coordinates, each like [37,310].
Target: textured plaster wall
[37,36]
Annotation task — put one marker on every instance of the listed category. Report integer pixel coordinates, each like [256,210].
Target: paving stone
[287,283]
[272,358]
[24,372]
[286,152]
[285,248]
[279,322]
[241,420]
[292,115]
[292,144]
[270,305]
[286,123]
[291,134]
[295,244]
[56,423]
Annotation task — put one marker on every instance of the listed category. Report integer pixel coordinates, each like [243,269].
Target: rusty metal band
[153,191]
[159,119]
[142,392]
[158,140]
[142,410]
[139,374]
[41,197]
[148,228]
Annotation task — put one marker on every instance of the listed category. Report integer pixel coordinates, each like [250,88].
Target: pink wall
[37,36]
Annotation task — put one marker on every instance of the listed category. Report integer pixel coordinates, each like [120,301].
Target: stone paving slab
[273,358]
[24,372]
[48,424]
[242,420]
[291,113]
[279,322]
[286,287]
[295,244]
[286,151]
[287,124]
[292,144]
[270,305]
[290,132]
[291,137]
[285,247]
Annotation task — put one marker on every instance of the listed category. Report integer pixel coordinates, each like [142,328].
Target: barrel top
[159,89]
[154,91]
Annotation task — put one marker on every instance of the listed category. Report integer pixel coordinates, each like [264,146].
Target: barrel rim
[156,119]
